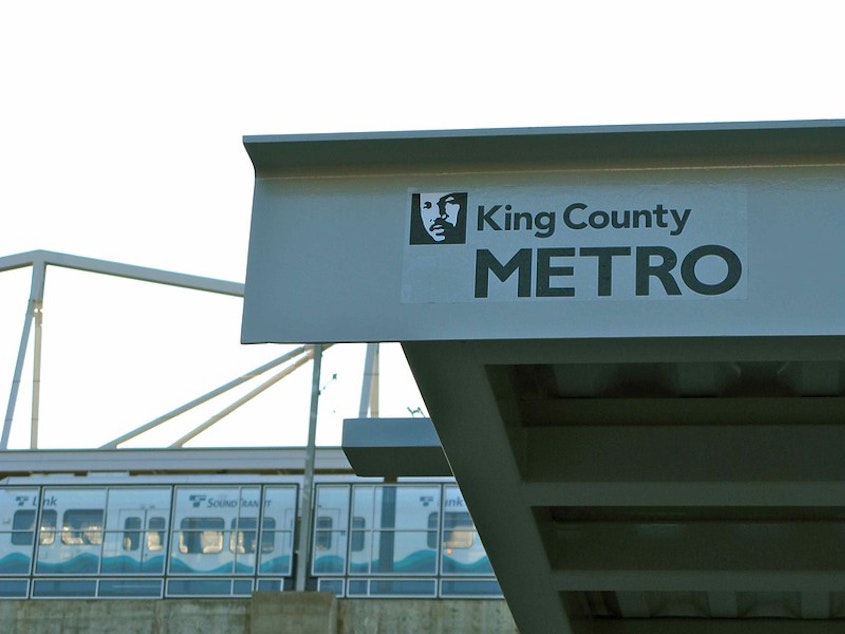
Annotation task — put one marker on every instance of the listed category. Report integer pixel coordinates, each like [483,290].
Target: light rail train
[154,535]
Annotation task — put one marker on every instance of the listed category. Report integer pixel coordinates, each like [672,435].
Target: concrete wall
[419,616]
[195,616]
[265,613]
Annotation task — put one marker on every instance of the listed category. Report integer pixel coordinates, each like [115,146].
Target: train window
[358,534]
[23,525]
[458,530]
[201,535]
[433,525]
[82,526]
[243,538]
[47,530]
[268,535]
[323,533]
[155,533]
[131,533]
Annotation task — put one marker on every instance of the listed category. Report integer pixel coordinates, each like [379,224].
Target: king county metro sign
[653,231]
[561,241]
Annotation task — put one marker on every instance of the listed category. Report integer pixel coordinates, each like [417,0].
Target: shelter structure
[630,341]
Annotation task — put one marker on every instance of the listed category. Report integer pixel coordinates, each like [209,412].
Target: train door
[136,530]
[141,536]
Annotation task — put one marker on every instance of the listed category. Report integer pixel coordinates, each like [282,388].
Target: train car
[120,535]
[402,539]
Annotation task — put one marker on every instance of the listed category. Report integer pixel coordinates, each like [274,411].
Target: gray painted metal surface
[571,233]
[636,458]
[394,447]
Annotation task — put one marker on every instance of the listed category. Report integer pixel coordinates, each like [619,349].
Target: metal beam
[394,447]
[370,371]
[655,545]
[193,460]
[662,580]
[484,463]
[113,444]
[34,306]
[685,453]
[196,431]
[619,493]
[129,271]
[768,410]
[712,626]
[745,143]
[306,512]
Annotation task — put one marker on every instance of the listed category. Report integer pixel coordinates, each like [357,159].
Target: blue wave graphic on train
[277,565]
[417,563]
[113,565]
[177,566]
[15,563]
[478,567]
[84,563]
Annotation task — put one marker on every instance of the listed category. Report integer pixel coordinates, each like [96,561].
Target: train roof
[247,460]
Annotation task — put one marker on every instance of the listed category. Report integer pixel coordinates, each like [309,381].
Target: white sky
[121,139]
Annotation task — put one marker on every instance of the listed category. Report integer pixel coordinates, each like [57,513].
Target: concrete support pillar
[293,613]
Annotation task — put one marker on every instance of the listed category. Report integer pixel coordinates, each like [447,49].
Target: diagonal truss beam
[113,444]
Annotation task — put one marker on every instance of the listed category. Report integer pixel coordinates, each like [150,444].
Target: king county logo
[439,218]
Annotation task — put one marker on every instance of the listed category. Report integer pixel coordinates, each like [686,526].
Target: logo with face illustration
[438,218]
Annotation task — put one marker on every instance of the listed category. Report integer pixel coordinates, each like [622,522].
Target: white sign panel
[570,243]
